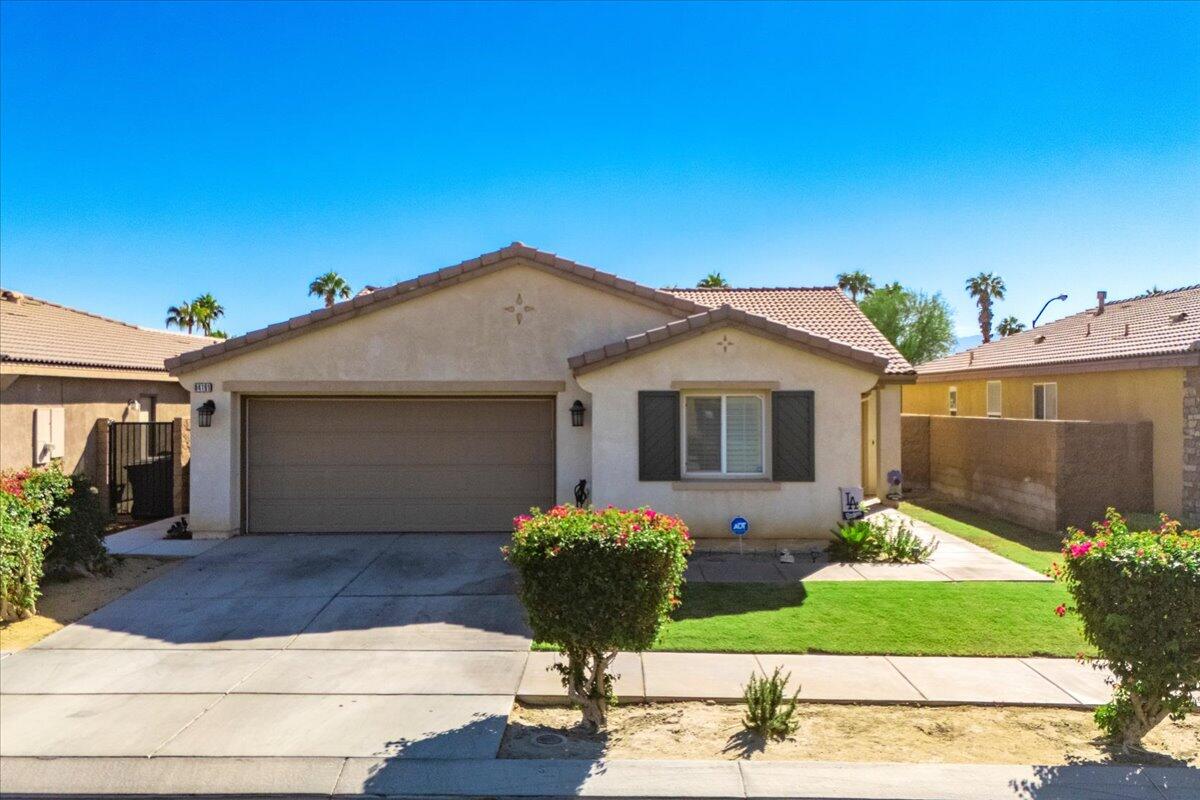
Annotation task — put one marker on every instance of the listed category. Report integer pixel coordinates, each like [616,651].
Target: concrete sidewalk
[357,777]
[660,677]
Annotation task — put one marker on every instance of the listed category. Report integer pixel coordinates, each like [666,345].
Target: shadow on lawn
[1018,534]
[704,600]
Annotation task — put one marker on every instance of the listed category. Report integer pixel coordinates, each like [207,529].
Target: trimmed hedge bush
[1138,593]
[595,582]
[31,501]
[77,548]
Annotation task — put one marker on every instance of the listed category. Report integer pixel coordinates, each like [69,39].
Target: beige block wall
[84,400]
[1153,395]
[775,510]
[461,333]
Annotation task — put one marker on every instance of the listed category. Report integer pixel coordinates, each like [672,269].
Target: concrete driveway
[342,646]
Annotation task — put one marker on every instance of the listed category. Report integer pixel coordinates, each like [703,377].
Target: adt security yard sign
[739,526]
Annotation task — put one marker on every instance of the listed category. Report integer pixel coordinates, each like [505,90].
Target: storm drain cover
[549,739]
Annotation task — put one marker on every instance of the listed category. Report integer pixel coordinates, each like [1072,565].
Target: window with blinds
[723,434]
[993,398]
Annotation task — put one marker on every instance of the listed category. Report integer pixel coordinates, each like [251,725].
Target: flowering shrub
[596,581]
[1138,593]
[31,500]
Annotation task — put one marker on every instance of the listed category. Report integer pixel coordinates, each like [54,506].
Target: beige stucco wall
[83,400]
[1154,395]
[775,510]
[461,333]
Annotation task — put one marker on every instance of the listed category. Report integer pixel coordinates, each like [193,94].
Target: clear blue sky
[149,153]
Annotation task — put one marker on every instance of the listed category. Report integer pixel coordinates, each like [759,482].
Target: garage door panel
[383,448]
[347,465]
[362,482]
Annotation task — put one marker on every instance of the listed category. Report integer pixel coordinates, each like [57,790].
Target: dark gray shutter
[793,456]
[658,436]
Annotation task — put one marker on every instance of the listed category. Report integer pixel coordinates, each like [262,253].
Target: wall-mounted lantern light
[206,410]
[577,410]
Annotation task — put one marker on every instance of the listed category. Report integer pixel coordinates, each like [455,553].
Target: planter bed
[866,733]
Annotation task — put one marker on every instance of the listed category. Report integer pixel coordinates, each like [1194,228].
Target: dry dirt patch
[945,734]
[63,602]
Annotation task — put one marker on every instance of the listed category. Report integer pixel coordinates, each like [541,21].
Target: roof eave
[1189,358]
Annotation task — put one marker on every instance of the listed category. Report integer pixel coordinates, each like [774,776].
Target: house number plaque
[201,388]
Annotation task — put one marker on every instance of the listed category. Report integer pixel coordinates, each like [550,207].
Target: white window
[953,401]
[723,434]
[993,398]
[1045,401]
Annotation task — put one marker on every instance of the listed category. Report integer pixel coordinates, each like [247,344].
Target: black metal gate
[141,469]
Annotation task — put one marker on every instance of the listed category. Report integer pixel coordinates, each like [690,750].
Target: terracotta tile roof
[34,331]
[1160,324]
[823,310]
[724,315]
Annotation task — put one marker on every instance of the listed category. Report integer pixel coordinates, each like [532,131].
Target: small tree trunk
[586,679]
[1147,713]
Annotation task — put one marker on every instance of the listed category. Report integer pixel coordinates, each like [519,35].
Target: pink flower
[1061,610]
[1080,550]
[635,527]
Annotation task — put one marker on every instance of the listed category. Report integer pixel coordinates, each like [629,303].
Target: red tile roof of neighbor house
[1153,327]
[34,331]
[830,316]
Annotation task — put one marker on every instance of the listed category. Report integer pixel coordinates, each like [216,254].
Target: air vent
[1180,317]
[1039,339]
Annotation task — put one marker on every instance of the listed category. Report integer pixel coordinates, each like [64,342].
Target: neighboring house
[1124,361]
[463,397]
[62,369]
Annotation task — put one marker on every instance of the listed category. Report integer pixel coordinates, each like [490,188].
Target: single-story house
[1125,361]
[62,369]
[463,397]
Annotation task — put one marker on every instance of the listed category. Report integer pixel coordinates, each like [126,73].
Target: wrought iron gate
[141,469]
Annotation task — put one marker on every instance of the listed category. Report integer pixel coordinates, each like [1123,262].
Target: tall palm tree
[182,316]
[856,283]
[330,286]
[985,287]
[207,311]
[1009,325]
[713,280]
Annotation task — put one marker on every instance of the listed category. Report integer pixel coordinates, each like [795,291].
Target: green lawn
[1023,545]
[888,617]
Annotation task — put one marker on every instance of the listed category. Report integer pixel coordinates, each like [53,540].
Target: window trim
[999,398]
[723,475]
[1033,394]
[952,401]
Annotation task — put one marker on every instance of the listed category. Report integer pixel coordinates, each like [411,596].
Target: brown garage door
[346,465]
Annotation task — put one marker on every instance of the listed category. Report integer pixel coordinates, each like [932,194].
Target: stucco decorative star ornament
[519,309]
[724,344]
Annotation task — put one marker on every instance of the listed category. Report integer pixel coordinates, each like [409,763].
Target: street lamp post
[1043,311]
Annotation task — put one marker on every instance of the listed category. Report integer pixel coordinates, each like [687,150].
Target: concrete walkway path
[661,677]
[358,777]
[955,559]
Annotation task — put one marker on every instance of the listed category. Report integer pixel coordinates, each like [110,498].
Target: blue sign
[739,526]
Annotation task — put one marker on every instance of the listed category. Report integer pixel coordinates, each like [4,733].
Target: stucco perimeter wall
[914,447]
[83,400]
[1044,474]
[462,333]
[1154,395]
[774,509]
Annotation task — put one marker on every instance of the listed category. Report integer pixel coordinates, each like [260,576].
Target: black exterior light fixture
[577,410]
[1043,311]
[206,410]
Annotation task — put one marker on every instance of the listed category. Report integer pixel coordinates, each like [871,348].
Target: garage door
[343,465]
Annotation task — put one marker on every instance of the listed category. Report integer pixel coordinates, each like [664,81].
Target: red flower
[1061,610]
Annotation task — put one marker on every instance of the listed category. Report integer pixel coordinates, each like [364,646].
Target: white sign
[201,388]
[851,498]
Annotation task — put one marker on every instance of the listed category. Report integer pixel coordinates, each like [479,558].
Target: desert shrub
[769,711]
[77,548]
[1138,594]
[879,538]
[31,501]
[594,582]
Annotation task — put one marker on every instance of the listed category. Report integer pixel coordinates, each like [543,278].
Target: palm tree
[1009,325]
[985,287]
[182,316]
[856,283]
[713,280]
[330,286]
[207,310]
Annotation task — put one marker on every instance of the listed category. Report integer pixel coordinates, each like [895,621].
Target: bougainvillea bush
[1138,593]
[594,582]
[31,501]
